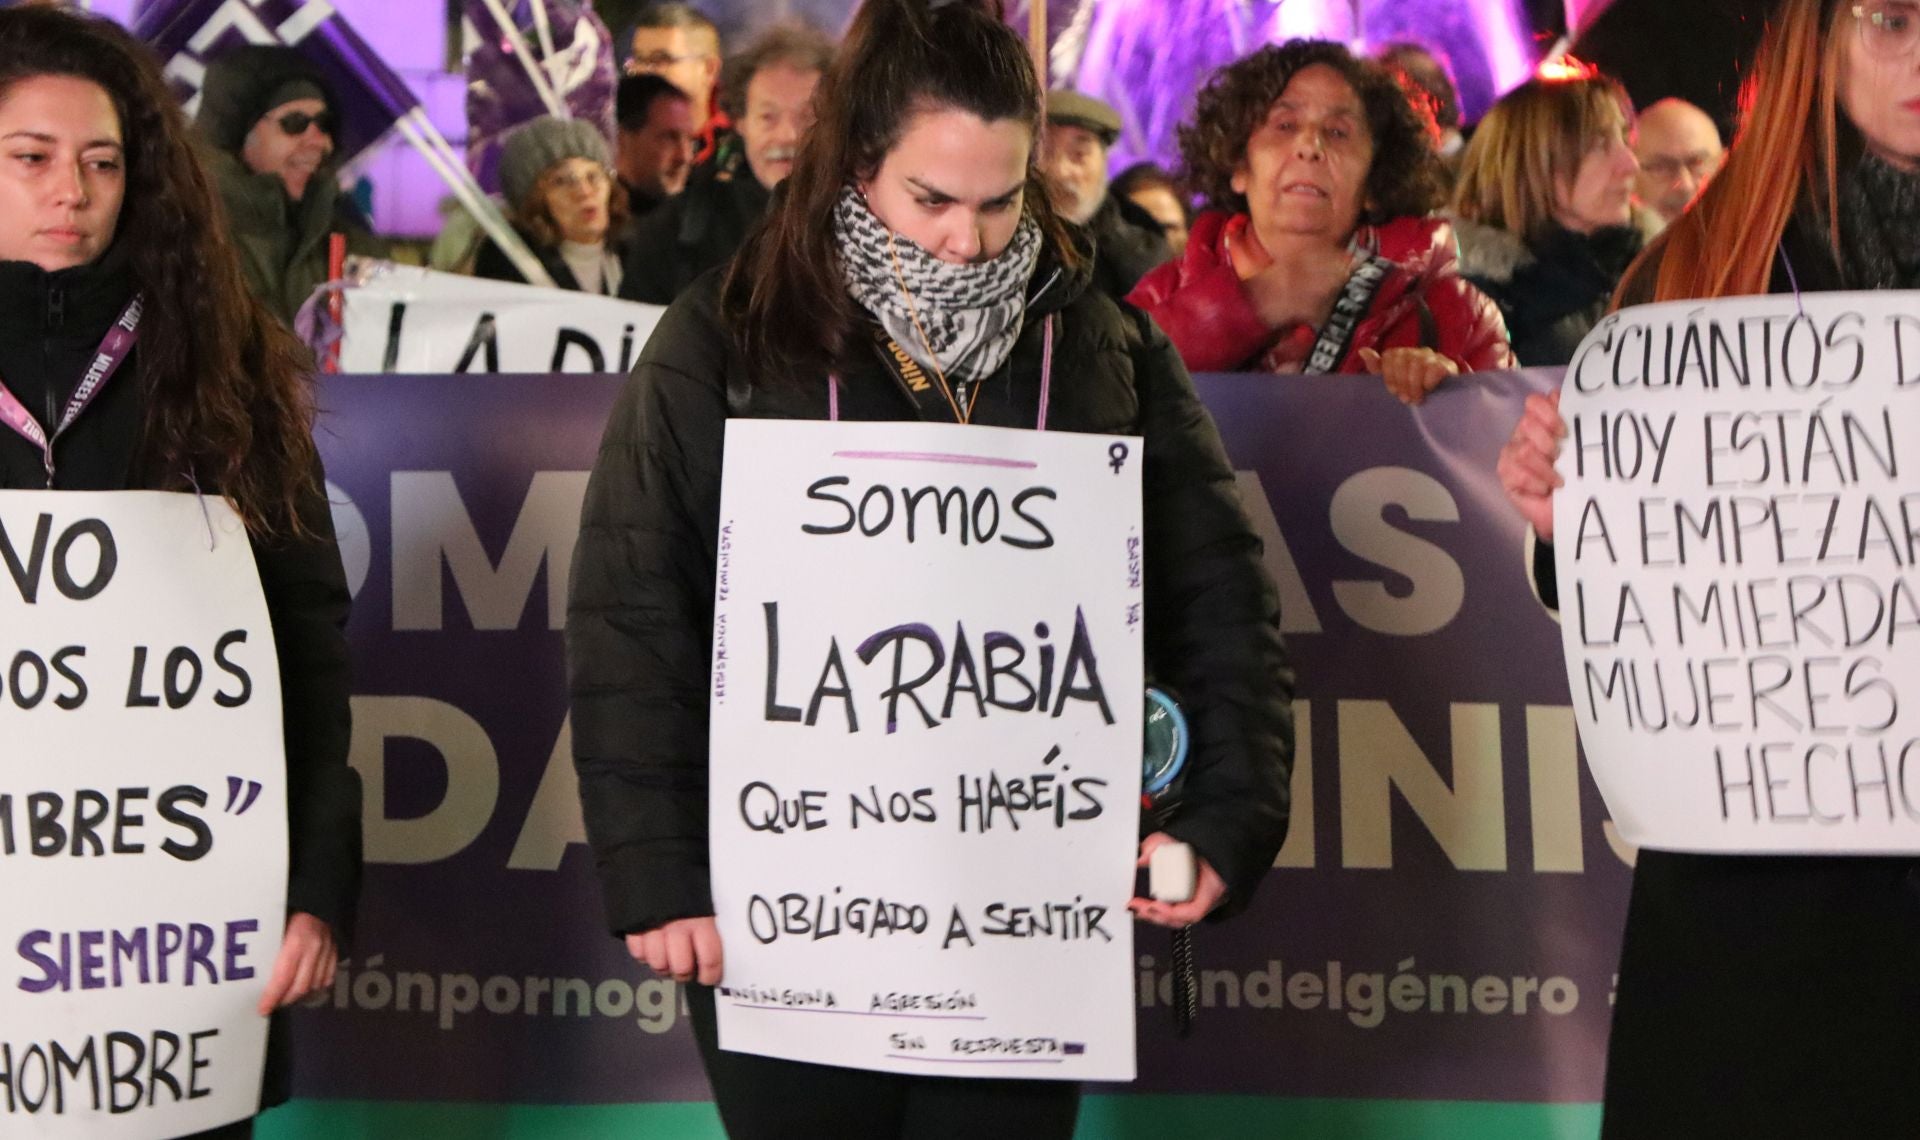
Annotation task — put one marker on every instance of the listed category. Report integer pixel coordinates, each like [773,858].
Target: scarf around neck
[1880,225]
[970,314]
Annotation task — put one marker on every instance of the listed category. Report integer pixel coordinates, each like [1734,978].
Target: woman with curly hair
[1316,254]
[1544,209]
[107,216]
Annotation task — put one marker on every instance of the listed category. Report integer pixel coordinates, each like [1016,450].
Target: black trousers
[1767,996]
[765,1098]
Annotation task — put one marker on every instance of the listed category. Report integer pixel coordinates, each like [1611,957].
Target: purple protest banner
[572,52]
[1443,923]
[190,34]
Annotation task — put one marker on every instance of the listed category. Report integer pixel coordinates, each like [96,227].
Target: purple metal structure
[1148,57]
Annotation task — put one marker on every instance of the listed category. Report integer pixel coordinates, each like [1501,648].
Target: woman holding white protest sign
[134,357]
[910,269]
[1773,995]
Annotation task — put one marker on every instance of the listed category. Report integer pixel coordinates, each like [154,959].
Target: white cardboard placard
[410,320]
[143,831]
[1736,552]
[927,707]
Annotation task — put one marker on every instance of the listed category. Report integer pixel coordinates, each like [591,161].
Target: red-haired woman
[1771,995]
[102,201]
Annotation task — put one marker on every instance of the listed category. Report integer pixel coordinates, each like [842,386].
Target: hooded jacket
[282,243]
[640,609]
[1424,302]
[50,326]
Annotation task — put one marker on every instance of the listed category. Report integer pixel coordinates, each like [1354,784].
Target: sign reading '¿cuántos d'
[927,691]
[142,815]
[1736,549]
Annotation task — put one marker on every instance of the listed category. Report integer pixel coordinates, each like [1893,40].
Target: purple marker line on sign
[978,1060]
[938,457]
[864,1013]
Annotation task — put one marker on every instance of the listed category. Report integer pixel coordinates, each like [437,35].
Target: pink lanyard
[107,359]
[1046,380]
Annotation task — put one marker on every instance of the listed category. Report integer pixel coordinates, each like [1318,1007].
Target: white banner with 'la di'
[1736,552]
[143,828]
[405,319]
[927,707]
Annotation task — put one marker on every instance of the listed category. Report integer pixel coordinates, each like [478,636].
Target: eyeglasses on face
[656,61]
[1888,28]
[1666,169]
[592,178]
[295,123]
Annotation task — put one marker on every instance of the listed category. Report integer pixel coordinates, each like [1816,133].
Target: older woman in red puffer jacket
[1317,254]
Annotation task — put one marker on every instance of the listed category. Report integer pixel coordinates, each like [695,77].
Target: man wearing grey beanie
[269,125]
[564,200]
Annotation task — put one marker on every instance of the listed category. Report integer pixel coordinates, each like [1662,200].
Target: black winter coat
[1551,291]
[1127,244]
[1764,996]
[693,231]
[50,325]
[640,612]
[492,263]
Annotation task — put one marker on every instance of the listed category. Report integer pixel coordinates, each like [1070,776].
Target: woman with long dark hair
[915,214]
[1767,995]
[101,201]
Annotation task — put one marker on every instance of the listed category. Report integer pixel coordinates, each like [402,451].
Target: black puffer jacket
[50,325]
[640,614]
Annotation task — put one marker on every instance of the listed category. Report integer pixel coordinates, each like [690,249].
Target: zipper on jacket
[56,321]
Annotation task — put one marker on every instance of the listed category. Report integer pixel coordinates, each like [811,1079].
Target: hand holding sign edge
[1409,373]
[1526,462]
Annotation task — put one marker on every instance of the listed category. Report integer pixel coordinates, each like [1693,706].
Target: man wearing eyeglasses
[677,43]
[269,122]
[1679,151]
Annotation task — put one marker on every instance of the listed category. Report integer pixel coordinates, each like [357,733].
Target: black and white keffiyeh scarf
[971,314]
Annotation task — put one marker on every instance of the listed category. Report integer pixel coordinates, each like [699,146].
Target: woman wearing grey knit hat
[564,200]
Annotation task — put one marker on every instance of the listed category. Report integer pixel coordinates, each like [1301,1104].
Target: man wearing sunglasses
[270,125]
